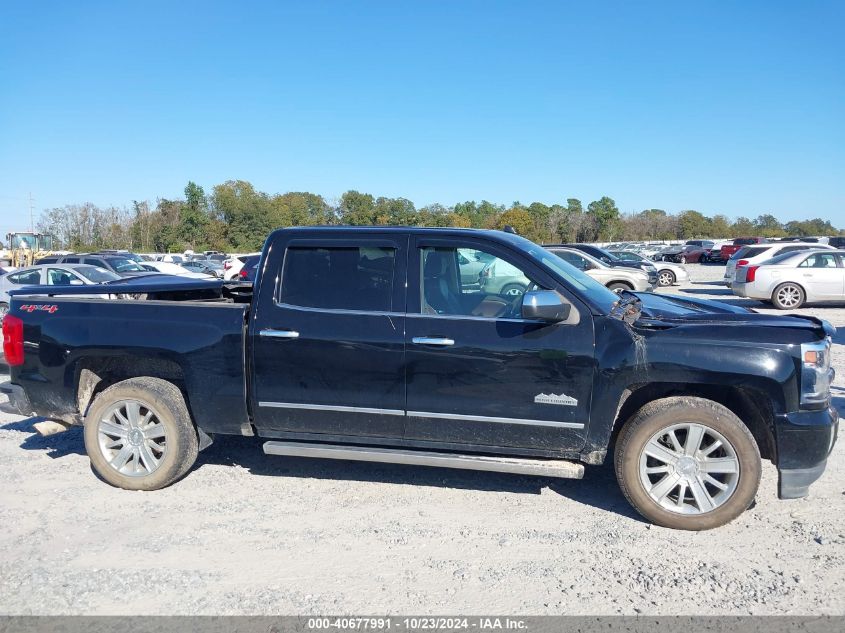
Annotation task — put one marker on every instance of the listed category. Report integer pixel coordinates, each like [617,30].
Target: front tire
[665,278]
[618,287]
[788,296]
[512,290]
[139,434]
[687,463]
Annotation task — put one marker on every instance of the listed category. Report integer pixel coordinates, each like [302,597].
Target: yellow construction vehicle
[25,248]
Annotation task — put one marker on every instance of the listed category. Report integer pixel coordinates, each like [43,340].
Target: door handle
[439,342]
[279,333]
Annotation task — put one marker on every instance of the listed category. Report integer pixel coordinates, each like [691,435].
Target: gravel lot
[249,534]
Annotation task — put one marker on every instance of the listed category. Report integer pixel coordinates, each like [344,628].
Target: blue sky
[723,107]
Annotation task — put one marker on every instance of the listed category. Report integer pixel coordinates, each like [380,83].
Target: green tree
[693,224]
[768,225]
[357,209]
[518,218]
[605,216]
[743,227]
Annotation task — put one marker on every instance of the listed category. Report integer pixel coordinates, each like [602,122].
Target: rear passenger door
[822,276]
[328,338]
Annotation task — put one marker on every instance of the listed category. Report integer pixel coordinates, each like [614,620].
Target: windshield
[124,265]
[96,274]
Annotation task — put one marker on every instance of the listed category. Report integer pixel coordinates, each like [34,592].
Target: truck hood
[662,311]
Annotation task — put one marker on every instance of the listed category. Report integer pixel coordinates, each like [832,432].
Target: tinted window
[357,278]
[751,251]
[71,260]
[573,258]
[745,240]
[26,277]
[97,275]
[121,265]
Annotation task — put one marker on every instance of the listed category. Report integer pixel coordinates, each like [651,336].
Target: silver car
[792,279]
[54,275]
[615,278]
[759,253]
[668,273]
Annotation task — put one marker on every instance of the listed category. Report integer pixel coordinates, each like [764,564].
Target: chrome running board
[521,465]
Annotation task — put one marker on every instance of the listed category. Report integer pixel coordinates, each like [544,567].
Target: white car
[757,253]
[55,275]
[791,279]
[173,269]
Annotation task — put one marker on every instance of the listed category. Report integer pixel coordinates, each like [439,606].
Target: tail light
[242,274]
[751,273]
[13,340]
[227,265]
[742,262]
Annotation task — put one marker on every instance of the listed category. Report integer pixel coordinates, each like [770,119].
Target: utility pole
[31,214]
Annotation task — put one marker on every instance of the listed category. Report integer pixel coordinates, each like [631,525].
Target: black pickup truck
[380,344]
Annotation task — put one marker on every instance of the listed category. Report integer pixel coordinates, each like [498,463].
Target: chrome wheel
[665,278]
[689,469]
[788,296]
[132,438]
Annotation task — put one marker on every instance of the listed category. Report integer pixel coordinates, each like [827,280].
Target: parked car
[728,250]
[248,269]
[232,266]
[605,257]
[169,258]
[755,254]
[714,256]
[169,268]
[54,275]
[206,266]
[790,280]
[692,251]
[667,272]
[617,279]
[359,343]
[120,264]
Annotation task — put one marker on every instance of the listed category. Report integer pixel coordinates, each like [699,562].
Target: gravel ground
[249,534]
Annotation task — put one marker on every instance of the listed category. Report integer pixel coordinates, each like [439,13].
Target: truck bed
[72,342]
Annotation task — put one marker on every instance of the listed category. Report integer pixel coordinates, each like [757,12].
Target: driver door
[477,372]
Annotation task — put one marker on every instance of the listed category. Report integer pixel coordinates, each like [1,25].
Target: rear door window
[26,278]
[339,278]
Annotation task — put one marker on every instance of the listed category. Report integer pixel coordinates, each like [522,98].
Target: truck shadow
[598,488]
[59,445]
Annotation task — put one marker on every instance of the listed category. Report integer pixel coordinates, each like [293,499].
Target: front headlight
[816,373]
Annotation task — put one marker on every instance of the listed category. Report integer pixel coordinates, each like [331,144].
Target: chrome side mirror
[545,305]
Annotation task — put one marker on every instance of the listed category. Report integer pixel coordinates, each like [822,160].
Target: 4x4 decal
[32,307]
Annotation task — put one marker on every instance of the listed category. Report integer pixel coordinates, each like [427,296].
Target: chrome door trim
[484,418]
[279,333]
[436,341]
[330,407]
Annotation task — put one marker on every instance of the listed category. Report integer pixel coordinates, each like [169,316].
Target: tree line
[235,217]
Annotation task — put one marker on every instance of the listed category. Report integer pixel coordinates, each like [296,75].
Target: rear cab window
[339,278]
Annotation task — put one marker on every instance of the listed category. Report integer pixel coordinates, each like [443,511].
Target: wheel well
[96,374]
[749,405]
[620,282]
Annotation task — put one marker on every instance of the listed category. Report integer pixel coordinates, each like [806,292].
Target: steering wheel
[514,309]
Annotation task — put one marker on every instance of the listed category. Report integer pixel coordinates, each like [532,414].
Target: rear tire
[687,463]
[788,296]
[139,434]
[4,309]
